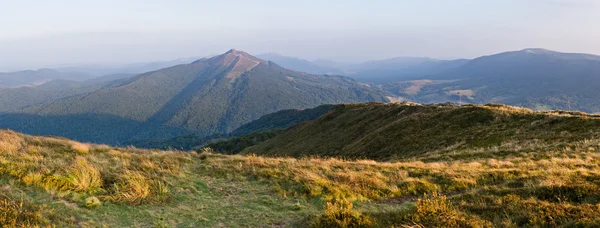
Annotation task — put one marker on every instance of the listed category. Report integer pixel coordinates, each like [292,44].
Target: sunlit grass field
[49,181]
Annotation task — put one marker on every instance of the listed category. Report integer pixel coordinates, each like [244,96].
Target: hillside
[389,132]
[14,99]
[49,181]
[248,134]
[206,97]
[282,119]
[532,78]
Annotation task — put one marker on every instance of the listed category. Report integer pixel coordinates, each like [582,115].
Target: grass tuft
[341,214]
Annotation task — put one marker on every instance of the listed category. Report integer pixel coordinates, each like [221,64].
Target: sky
[36,34]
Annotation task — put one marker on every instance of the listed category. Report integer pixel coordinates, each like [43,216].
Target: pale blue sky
[45,33]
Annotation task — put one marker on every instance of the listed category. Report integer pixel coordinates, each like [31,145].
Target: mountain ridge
[210,95]
[392,131]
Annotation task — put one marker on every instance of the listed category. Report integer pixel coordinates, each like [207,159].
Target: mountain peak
[233,55]
[238,62]
[537,51]
[235,52]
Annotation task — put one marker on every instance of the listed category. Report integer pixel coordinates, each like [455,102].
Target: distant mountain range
[207,96]
[219,94]
[301,65]
[381,71]
[132,68]
[81,73]
[38,77]
[534,78]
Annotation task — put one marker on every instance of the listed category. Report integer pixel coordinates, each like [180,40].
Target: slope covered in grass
[392,131]
[55,181]
[247,135]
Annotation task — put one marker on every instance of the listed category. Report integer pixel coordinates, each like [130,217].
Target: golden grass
[19,214]
[335,179]
[530,181]
[10,142]
[133,188]
[80,148]
[84,177]
[341,214]
[86,172]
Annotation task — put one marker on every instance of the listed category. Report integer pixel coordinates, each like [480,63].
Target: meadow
[56,182]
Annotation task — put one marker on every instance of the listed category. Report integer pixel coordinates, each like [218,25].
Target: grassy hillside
[393,131]
[247,135]
[55,181]
[282,119]
[237,144]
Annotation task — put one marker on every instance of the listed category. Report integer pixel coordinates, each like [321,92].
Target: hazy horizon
[53,33]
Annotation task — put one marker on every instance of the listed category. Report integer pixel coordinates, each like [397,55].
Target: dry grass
[514,184]
[77,171]
[10,142]
[19,214]
[80,148]
[84,177]
[563,180]
[341,214]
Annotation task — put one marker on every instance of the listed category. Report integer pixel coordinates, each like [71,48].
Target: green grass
[192,197]
[542,180]
[393,132]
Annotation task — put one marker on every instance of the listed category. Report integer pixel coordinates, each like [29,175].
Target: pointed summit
[538,51]
[237,62]
[233,56]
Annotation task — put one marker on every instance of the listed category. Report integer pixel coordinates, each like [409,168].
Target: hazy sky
[46,33]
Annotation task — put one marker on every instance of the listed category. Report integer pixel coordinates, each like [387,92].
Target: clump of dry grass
[10,142]
[341,214]
[80,148]
[134,189]
[19,213]
[437,211]
[84,177]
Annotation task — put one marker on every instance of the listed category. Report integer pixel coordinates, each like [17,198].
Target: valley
[308,114]
[234,140]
